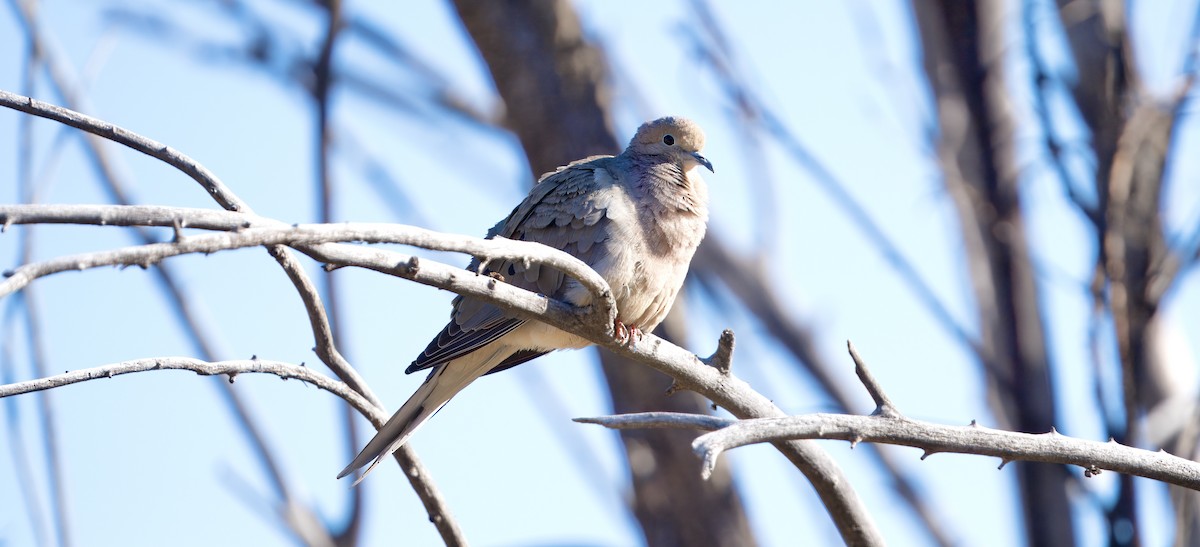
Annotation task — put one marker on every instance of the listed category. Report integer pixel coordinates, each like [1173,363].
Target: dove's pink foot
[626,335]
[620,331]
[635,335]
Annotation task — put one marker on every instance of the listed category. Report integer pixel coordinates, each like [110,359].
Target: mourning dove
[635,218]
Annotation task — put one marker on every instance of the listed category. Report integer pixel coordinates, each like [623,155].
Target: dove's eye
[668,140]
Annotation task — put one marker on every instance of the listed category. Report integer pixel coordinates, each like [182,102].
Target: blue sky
[156,458]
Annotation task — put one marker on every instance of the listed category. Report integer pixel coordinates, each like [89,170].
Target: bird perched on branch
[635,218]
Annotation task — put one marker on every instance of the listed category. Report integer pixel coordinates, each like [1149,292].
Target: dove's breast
[646,256]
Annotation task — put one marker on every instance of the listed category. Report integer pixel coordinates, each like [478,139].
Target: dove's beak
[703,161]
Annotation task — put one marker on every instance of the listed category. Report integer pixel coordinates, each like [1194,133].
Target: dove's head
[679,139]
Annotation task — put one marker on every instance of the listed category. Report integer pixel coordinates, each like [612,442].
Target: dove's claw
[620,332]
[635,335]
[626,335]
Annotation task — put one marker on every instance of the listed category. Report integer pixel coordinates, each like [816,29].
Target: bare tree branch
[118,134]
[310,237]
[438,511]
[129,215]
[325,349]
[1051,447]
[205,368]
[753,287]
[883,405]
[183,307]
[687,369]
[892,427]
[373,412]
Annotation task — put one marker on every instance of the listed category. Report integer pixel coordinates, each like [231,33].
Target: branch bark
[204,368]
[931,438]
[312,239]
[887,425]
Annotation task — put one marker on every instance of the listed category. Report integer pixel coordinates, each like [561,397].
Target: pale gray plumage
[636,218]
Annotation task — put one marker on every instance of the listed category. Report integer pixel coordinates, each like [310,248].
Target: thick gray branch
[1009,446]
[311,239]
[308,238]
[932,438]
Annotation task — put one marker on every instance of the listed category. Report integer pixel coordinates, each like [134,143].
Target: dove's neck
[672,208]
[667,188]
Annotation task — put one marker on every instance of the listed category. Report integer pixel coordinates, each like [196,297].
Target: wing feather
[565,210]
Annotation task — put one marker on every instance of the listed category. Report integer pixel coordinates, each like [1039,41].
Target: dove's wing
[567,210]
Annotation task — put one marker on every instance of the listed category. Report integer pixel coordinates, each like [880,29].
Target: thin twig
[412,467]
[230,368]
[118,134]
[424,487]
[325,349]
[883,405]
[416,473]
[184,308]
[129,215]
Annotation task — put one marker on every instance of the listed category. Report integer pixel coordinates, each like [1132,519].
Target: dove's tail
[445,381]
